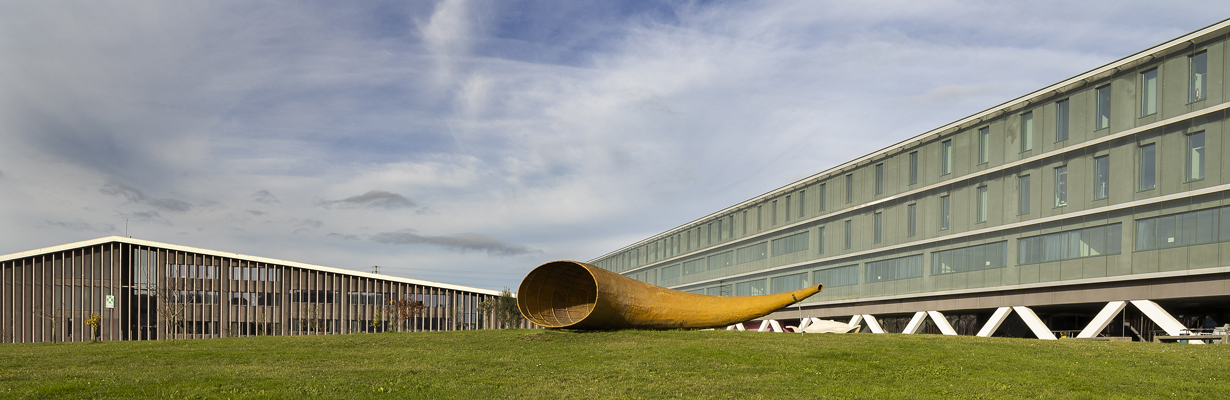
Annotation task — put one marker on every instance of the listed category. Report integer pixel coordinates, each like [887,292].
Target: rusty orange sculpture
[576,295]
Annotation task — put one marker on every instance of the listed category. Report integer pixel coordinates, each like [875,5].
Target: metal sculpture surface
[576,295]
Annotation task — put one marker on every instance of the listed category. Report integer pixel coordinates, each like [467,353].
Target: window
[1185,229]
[790,244]
[880,178]
[747,254]
[773,213]
[984,145]
[911,220]
[840,276]
[1148,167]
[1023,202]
[789,282]
[1198,76]
[694,267]
[894,269]
[802,202]
[1148,92]
[982,204]
[1101,177]
[1061,186]
[1061,120]
[744,222]
[943,212]
[670,272]
[849,188]
[1027,131]
[730,223]
[946,157]
[787,209]
[1195,156]
[820,233]
[879,224]
[722,260]
[824,191]
[913,167]
[849,234]
[972,258]
[1067,245]
[750,288]
[1102,119]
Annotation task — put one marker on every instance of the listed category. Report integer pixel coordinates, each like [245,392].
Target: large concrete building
[1099,205]
[143,290]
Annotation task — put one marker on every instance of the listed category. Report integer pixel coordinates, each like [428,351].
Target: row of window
[1185,229]
[1175,230]
[785,245]
[1149,92]
[211,272]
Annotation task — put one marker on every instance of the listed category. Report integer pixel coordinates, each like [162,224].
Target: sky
[469,141]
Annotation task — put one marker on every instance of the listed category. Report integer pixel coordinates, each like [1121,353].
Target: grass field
[624,364]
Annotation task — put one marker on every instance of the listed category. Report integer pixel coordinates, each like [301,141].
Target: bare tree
[55,315]
[404,309]
[172,315]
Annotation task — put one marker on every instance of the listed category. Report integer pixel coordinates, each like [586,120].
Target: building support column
[1103,319]
[1035,324]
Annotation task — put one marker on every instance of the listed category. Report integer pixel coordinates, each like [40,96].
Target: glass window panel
[982,204]
[849,188]
[913,167]
[911,219]
[1148,92]
[880,178]
[1061,186]
[1061,120]
[984,145]
[1114,238]
[1206,230]
[879,225]
[1198,76]
[1102,119]
[1101,178]
[823,196]
[849,234]
[946,157]
[1185,225]
[1148,168]
[943,212]
[1195,156]
[1165,232]
[1225,223]
[1027,131]
[1023,202]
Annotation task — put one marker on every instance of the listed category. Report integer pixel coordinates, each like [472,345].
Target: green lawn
[624,364]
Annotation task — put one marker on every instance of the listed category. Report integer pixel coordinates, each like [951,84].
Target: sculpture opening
[557,294]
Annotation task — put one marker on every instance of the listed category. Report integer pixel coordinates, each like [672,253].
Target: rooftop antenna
[375,269]
[126,228]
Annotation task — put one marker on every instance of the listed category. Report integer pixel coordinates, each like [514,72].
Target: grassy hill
[624,364]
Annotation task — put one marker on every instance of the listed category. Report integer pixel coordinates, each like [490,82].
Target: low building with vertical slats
[144,290]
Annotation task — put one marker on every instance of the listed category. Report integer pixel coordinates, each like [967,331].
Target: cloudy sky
[467,141]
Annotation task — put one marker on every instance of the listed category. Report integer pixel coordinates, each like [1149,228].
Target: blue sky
[468,141]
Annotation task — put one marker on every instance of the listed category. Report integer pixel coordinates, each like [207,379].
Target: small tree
[172,315]
[54,316]
[95,323]
[404,309]
[505,308]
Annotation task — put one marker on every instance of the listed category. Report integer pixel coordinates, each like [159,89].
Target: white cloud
[470,118]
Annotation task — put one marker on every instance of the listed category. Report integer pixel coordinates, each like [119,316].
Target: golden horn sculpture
[576,295]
